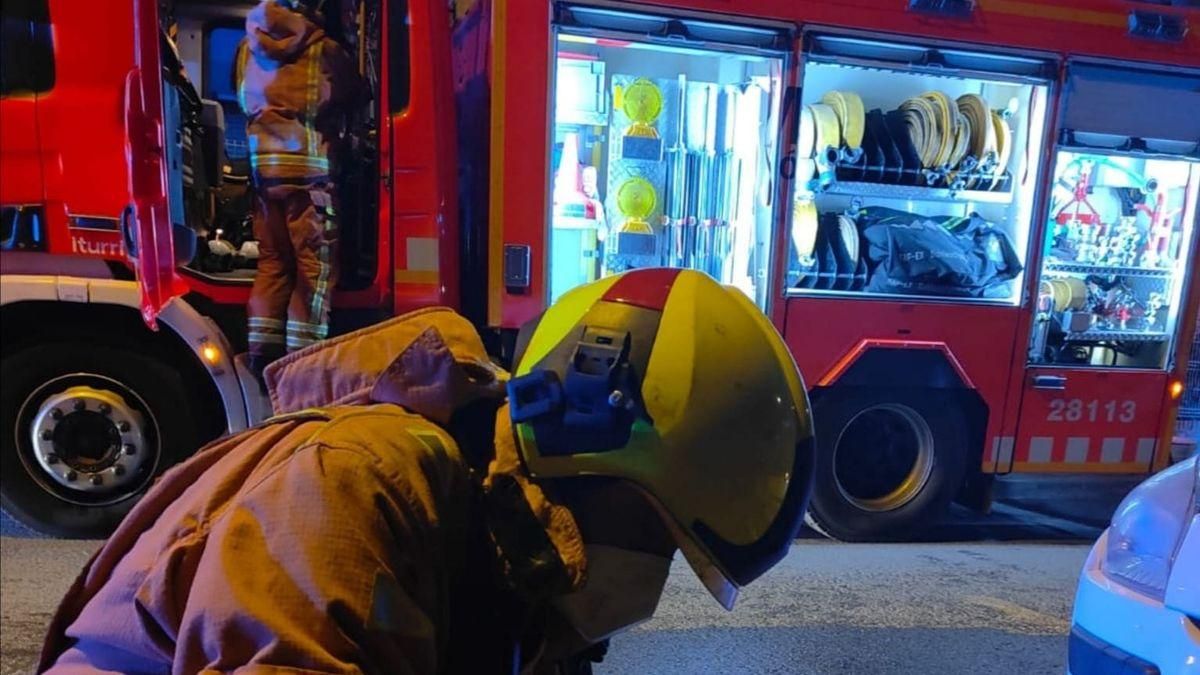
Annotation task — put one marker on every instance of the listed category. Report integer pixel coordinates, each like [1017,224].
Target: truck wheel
[888,462]
[85,429]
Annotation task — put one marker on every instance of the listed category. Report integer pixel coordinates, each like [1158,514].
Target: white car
[1137,609]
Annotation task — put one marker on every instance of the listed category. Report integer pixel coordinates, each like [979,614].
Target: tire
[889,461]
[79,395]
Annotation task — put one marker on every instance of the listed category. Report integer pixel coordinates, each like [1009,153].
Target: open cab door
[146,223]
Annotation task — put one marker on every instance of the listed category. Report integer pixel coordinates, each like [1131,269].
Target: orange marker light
[1176,390]
[210,354]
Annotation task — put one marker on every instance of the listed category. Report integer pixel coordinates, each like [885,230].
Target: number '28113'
[1075,410]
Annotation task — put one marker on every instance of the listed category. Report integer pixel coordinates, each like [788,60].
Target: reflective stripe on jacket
[294,84]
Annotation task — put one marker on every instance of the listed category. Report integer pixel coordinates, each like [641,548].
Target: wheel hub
[89,440]
[884,457]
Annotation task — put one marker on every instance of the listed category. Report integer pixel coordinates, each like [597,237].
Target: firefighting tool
[702,172]
[851,119]
[1078,211]
[1082,213]
[636,199]
[1154,304]
[667,379]
[677,162]
[1162,225]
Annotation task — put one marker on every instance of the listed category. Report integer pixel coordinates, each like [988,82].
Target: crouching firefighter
[296,86]
[400,516]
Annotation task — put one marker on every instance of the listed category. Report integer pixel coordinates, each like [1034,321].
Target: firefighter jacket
[296,86]
[346,535]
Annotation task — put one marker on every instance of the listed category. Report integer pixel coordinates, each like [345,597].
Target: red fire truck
[974,222]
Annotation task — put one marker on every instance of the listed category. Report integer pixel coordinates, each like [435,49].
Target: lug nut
[105,408]
[47,435]
[118,470]
[123,426]
[71,475]
[80,404]
[130,449]
[52,458]
[97,479]
[56,414]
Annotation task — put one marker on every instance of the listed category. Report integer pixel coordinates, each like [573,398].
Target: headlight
[1148,526]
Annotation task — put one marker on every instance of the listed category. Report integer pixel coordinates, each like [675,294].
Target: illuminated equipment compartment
[1120,226]
[916,170]
[664,147]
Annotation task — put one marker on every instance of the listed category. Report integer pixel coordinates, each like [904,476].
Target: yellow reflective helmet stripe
[560,319]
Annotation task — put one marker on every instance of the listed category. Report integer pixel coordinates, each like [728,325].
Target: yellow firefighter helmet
[667,379]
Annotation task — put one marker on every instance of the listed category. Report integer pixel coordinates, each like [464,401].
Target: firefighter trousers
[297,251]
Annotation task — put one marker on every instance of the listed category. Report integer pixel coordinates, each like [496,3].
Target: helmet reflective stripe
[722,437]
[556,322]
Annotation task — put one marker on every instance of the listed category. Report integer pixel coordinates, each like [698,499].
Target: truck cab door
[146,223]
[26,71]
[424,203]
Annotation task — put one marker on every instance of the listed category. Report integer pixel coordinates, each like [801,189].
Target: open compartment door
[653,142]
[1118,255]
[146,223]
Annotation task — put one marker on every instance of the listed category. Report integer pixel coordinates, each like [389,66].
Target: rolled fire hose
[849,233]
[828,134]
[921,120]
[805,166]
[1003,148]
[932,128]
[804,230]
[808,133]
[851,117]
[983,132]
[962,139]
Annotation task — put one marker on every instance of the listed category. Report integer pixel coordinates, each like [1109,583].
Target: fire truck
[973,221]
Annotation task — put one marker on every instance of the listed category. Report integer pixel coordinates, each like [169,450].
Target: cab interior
[211,194]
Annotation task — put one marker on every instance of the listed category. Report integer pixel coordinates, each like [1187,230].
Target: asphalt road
[984,594]
[840,608]
[979,594]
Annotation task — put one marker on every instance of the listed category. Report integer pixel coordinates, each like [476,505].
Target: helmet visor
[720,586]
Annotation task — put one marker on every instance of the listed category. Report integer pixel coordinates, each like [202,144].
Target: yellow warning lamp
[636,199]
[642,102]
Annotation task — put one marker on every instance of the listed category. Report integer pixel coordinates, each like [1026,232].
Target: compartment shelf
[1118,335]
[1082,268]
[913,192]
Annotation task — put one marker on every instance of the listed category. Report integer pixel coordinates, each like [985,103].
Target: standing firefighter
[400,517]
[295,85]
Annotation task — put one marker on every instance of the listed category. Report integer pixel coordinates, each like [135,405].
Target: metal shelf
[1081,268]
[913,192]
[1119,335]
